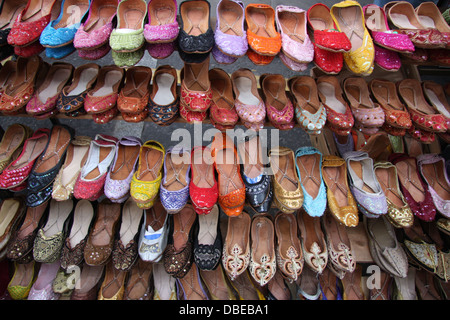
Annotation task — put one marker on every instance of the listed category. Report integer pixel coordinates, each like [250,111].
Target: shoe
[7,74]
[396,114]
[196,34]
[125,250]
[60,32]
[288,194]
[308,286]
[73,250]
[203,187]
[134,95]
[340,200]
[117,183]
[59,52]
[163,103]
[431,17]
[384,247]
[16,173]
[405,288]
[230,36]
[42,287]
[64,183]
[104,95]
[216,284]
[50,238]
[399,212]
[190,287]
[339,115]
[196,92]
[164,284]
[279,108]
[146,181]
[259,59]
[222,111]
[154,233]
[432,168]
[161,50]
[162,26]
[349,18]
[139,284]
[329,286]
[231,186]
[295,43]
[308,162]
[377,23]
[326,35]
[289,252]
[12,212]
[128,59]
[95,31]
[258,186]
[291,64]
[178,257]
[100,241]
[20,246]
[10,10]
[94,54]
[413,187]
[208,242]
[434,93]
[174,191]
[22,280]
[47,93]
[262,264]
[73,95]
[236,248]
[313,242]
[262,36]
[402,15]
[31,22]
[369,116]
[12,143]
[310,113]
[90,182]
[423,115]
[426,287]
[113,284]
[90,278]
[352,285]
[364,185]
[128,35]
[248,103]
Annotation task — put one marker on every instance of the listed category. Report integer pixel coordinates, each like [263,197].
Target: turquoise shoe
[128,36]
[60,52]
[308,162]
[60,32]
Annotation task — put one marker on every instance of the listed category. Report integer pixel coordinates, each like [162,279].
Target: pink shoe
[94,54]
[162,26]
[387,59]
[376,22]
[295,42]
[160,50]
[291,64]
[95,31]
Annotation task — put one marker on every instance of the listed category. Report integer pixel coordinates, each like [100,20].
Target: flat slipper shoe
[11,212]
[162,26]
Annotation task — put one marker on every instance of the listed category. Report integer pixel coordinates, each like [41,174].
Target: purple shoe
[162,26]
[230,36]
[95,31]
[161,50]
[221,57]
[291,64]
[118,179]
[174,191]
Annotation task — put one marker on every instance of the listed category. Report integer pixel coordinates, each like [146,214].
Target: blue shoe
[60,32]
[60,52]
[308,162]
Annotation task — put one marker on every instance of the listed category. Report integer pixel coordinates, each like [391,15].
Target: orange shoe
[262,35]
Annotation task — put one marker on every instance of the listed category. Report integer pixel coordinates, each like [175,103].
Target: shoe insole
[34,148]
[104,154]
[23,274]
[131,218]
[386,97]
[101,18]
[311,236]
[202,170]
[105,224]
[138,281]
[427,22]
[196,77]
[230,18]
[152,159]
[245,94]
[114,280]
[287,235]
[8,212]
[331,173]
[401,21]
[195,19]
[434,175]
[164,283]
[238,232]
[328,91]
[164,95]
[161,12]
[73,12]
[11,139]
[9,13]
[32,218]
[58,214]
[444,110]
[83,215]
[77,154]
[259,20]
[59,78]
[155,217]
[86,76]
[208,227]
[229,178]
[251,155]
[177,166]
[111,79]
[351,23]
[293,24]
[131,20]
[182,224]
[59,140]
[38,9]
[360,177]
[388,182]
[126,159]
[410,181]
[262,239]
[309,167]
[415,101]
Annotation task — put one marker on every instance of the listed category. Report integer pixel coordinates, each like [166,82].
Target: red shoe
[203,187]
[29,51]
[259,59]
[32,21]
[328,61]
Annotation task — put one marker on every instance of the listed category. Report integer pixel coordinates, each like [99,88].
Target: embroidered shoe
[162,26]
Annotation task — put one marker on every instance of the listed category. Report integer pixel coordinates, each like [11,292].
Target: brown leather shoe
[90,278]
[11,211]
[113,285]
[216,283]
[133,97]
[139,284]
[191,286]
[352,285]
[101,239]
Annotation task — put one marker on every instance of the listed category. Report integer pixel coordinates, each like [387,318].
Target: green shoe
[127,59]
[128,36]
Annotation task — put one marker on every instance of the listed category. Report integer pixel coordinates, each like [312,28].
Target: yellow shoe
[349,18]
[146,181]
[22,280]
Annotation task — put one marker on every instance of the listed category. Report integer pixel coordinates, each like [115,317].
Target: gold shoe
[399,212]
[113,286]
[288,194]
[341,203]
[22,280]
[12,143]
